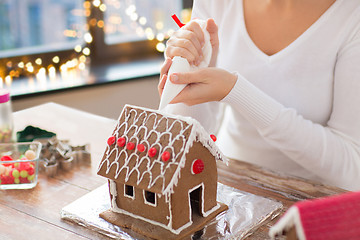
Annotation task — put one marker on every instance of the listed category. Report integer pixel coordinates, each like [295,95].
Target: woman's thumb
[211,26]
[185,78]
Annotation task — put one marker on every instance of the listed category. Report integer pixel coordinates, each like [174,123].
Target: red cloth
[336,217]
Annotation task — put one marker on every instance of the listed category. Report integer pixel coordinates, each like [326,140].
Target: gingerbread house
[331,218]
[162,173]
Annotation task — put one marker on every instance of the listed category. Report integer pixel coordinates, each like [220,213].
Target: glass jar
[7,134]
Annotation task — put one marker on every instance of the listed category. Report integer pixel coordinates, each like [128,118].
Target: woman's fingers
[161,84]
[185,78]
[187,42]
[203,85]
[172,51]
[163,74]
[165,67]
[195,28]
[198,38]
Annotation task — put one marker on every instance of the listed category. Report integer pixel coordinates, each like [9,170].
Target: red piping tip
[176,19]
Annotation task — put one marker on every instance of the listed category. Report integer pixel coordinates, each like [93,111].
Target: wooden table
[35,213]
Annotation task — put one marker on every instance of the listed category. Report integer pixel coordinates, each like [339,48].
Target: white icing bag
[180,65]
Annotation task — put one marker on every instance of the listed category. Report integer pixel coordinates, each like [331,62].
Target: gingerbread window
[150,198]
[129,191]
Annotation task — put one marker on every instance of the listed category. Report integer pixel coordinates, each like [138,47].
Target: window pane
[135,20]
[40,25]
[129,190]
[150,197]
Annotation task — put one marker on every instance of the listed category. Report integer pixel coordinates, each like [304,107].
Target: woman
[289,74]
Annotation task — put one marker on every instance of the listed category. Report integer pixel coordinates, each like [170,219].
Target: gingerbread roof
[148,129]
[330,218]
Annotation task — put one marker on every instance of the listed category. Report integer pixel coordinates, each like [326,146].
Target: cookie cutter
[81,154]
[50,166]
[59,155]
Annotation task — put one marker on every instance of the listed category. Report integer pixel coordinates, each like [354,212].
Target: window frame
[101,53]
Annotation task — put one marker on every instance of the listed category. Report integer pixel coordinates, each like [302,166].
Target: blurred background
[85,53]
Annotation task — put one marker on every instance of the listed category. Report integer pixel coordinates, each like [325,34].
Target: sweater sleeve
[332,151]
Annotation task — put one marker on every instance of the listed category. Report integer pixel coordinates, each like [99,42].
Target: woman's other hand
[187,42]
[204,85]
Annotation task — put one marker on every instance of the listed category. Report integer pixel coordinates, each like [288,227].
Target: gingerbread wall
[138,206]
[179,200]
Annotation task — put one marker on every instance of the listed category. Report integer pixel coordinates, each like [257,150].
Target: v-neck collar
[293,44]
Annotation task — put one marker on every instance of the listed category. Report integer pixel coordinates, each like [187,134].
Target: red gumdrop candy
[7,158]
[24,166]
[152,152]
[165,156]
[198,166]
[121,142]
[141,147]
[24,180]
[3,179]
[31,171]
[111,140]
[7,179]
[130,146]
[213,137]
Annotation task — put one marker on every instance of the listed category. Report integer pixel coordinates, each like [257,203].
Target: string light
[160,37]
[159,25]
[96,3]
[56,59]
[8,80]
[102,7]
[160,47]
[38,61]
[86,51]
[100,24]
[82,66]
[88,38]
[30,69]
[78,48]
[142,20]
[52,73]
[141,26]
[82,59]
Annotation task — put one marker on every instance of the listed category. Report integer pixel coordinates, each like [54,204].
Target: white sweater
[297,111]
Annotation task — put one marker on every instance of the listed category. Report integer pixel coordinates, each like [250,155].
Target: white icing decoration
[113,192]
[207,213]
[290,219]
[197,134]
[115,208]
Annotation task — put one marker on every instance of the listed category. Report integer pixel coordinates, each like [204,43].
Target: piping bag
[180,65]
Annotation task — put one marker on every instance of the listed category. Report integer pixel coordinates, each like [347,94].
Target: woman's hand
[204,85]
[187,42]
[163,75]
